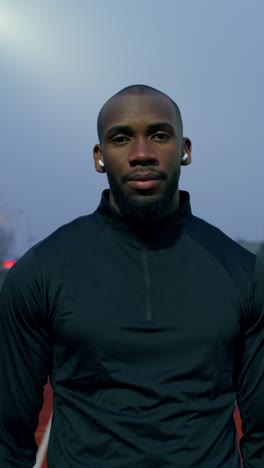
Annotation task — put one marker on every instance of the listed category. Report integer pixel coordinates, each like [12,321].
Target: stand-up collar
[160,231]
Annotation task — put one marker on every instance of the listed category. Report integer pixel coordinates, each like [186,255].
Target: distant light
[10,27]
[8,263]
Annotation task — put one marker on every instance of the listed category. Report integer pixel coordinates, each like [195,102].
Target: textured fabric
[149,332]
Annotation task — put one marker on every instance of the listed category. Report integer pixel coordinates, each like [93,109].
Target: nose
[142,153]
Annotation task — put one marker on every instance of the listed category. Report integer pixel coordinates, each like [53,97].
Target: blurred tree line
[6,239]
[6,233]
[260,252]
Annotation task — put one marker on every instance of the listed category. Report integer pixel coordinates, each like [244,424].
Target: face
[141,148]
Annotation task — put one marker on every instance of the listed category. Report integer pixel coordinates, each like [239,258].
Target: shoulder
[51,254]
[68,239]
[73,231]
[238,262]
[215,240]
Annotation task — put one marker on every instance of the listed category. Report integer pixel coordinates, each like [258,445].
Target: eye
[160,136]
[119,139]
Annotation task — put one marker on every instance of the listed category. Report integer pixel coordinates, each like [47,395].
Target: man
[149,321]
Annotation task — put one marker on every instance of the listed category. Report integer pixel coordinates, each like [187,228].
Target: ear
[97,154]
[187,149]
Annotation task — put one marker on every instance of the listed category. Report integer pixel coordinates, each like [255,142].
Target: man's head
[141,145]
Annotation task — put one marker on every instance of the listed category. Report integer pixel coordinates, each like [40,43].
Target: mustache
[144,175]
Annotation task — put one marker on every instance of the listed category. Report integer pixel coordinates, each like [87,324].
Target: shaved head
[135,90]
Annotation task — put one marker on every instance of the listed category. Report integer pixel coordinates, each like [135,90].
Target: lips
[144,181]
[144,176]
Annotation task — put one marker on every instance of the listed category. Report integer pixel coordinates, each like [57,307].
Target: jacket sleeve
[250,395]
[25,361]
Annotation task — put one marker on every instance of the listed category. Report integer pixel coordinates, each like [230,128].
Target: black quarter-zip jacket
[149,333]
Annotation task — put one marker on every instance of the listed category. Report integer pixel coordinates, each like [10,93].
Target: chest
[137,308]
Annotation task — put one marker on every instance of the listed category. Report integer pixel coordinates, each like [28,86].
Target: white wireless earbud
[100,162]
[184,157]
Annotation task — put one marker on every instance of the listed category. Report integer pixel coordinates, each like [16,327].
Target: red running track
[44,419]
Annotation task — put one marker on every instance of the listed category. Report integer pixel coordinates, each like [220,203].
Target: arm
[250,394]
[25,361]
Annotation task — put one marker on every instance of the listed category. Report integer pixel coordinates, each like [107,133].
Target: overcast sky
[61,60]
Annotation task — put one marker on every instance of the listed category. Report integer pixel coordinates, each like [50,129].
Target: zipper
[147,284]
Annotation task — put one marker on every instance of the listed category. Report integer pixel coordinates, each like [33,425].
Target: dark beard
[146,206]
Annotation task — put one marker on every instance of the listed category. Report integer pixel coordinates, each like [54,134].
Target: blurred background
[59,63]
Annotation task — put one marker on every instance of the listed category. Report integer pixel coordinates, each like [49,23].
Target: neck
[152,232]
[173,206]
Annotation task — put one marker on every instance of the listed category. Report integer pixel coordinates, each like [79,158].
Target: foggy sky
[59,63]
